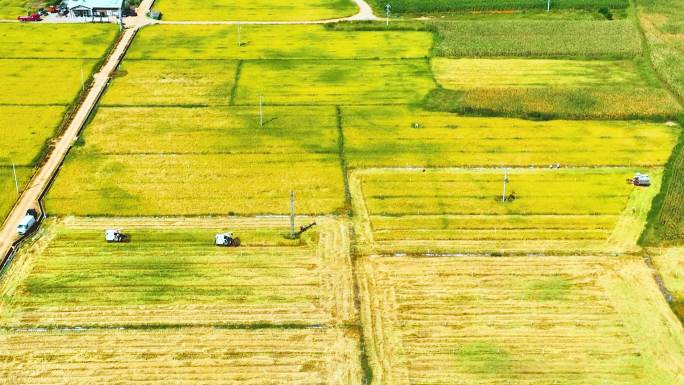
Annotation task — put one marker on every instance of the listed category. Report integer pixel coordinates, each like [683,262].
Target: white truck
[27,223]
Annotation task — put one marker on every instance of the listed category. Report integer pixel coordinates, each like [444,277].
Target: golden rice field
[200,42]
[475,73]
[21,135]
[180,356]
[182,82]
[571,89]
[39,80]
[61,79]
[518,320]
[461,210]
[297,82]
[10,9]
[174,275]
[386,137]
[232,163]
[257,10]
[8,192]
[66,41]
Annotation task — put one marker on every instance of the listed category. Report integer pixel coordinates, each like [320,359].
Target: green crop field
[461,210]
[575,89]
[518,321]
[386,137]
[536,38]
[661,23]
[257,10]
[438,6]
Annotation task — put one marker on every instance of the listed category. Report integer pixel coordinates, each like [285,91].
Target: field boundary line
[236,80]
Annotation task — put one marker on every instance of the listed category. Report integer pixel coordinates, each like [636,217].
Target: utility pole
[388,9]
[239,44]
[16,182]
[503,196]
[82,83]
[261,111]
[292,215]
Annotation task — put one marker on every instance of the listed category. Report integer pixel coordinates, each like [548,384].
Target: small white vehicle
[640,180]
[115,236]
[26,224]
[227,240]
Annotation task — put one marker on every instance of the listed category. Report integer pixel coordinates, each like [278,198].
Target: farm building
[95,8]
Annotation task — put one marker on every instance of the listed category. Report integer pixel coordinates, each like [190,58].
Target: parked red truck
[33,17]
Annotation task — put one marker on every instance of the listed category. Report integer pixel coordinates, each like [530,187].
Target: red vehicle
[33,17]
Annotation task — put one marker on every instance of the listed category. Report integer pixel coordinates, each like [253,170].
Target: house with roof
[95,8]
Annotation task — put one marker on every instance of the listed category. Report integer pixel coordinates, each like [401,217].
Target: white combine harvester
[115,236]
[641,180]
[227,240]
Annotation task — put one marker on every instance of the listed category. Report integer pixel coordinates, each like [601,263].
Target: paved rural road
[365,13]
[41,180]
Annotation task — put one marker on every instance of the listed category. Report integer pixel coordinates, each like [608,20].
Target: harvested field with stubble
[174,275]
[460,210]
[169,306]
[485,321]
[181,356]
